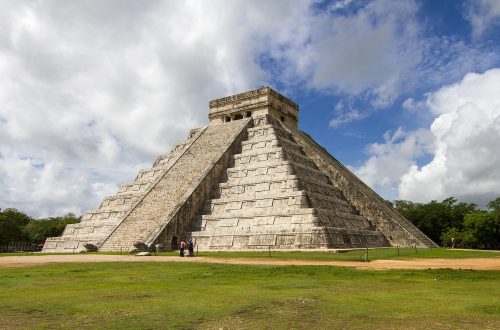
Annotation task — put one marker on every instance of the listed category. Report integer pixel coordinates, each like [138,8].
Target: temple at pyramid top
[258,102]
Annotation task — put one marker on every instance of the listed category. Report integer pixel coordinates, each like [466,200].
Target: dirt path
[472,263]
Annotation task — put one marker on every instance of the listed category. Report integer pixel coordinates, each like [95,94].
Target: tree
[456,234]
[494,205]
[12,223]
[39,230]
[484,228]
[436,218]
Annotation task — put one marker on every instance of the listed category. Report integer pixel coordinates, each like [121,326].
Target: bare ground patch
[427,263]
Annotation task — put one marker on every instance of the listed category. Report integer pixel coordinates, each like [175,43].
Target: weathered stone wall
[159,204]
[395,227]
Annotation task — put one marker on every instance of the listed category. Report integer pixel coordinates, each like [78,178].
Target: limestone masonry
[250,180]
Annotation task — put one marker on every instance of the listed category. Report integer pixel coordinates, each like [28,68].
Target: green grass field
[172,295]
[346,255]
[358,255]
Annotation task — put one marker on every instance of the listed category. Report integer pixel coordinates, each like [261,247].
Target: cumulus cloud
[92,91]
[378,51]
[369,49]
[390,160]
[462,141]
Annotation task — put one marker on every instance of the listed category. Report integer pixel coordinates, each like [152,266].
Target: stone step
[323,202]
[261,150]
[142,181]
[341,237]
[268,128]
[218,206]
[254,196]
[299,158]
[65,245]
[116,200]
[258,128]
[102,215]
[295,229]
[201,223]
[278,182]
[134,187]
[92,224]
[331,198]
[252,191]
[260,212]
[150,174]
[264,182]
[163,160]
[290,146]
[260,168]
[259,142]
[332,213]
[271,136]
[114,208]
[319,187]
[315,238]
[272,163]
[240,159]
[130,193]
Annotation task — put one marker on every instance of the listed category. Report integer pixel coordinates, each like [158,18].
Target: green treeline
[16,226]
[441,221]
[465,222]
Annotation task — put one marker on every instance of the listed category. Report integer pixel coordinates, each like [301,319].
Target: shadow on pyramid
[250,180]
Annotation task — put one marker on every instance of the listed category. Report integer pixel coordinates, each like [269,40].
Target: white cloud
[463,141]
[483,15]
[345,112]
[370,49]
[390,160]
[467,130]
[92,91]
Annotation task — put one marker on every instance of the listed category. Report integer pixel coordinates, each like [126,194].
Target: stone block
[267,240]
[221,241]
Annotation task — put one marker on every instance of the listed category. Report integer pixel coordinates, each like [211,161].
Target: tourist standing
[191,248]
[182,247]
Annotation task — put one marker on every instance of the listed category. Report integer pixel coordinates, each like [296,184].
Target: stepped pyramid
[249,180]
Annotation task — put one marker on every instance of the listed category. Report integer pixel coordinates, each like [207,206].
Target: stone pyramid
[249,180]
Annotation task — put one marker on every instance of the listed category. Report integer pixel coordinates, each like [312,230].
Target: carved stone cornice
[247,95]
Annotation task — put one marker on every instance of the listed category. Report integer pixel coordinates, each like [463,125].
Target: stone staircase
[160,203]
[97,225]
[275,196]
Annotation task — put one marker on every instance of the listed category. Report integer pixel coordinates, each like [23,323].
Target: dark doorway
[174,243]
[238,117]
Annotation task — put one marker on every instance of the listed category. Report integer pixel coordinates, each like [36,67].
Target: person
[452,242]
[182,247]
[191,248]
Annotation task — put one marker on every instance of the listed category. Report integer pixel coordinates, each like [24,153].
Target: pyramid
[249,180]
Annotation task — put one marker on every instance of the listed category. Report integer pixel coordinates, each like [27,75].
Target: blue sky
[405,93]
